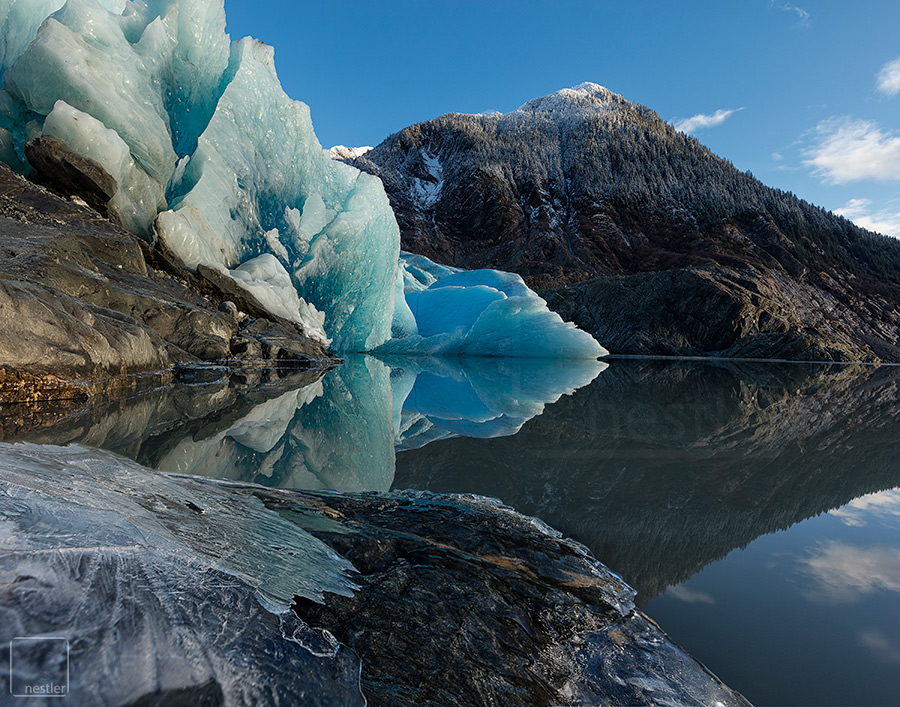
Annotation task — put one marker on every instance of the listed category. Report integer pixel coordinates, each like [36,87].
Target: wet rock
[463,601]
[229,307]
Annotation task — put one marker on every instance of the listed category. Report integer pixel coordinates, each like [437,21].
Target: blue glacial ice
[478,313]
[215,162]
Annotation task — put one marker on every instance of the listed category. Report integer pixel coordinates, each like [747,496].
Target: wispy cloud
[802,15]
[702,120]
[884,221]
[850,150]
[889,78]
[845,573]
[883,648]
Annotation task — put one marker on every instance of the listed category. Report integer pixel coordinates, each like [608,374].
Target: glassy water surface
[755,508]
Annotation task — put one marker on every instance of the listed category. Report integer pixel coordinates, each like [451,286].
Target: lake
[755,507]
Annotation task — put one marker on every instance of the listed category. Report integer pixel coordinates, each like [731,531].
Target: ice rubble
[213,158]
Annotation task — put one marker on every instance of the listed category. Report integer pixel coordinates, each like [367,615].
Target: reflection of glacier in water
[341,433]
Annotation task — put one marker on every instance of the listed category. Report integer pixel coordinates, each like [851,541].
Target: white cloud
[845,573]
[889,78]
[881,221]
[850,150]
[701,120]
[802,15]
[884,504]
[883,648]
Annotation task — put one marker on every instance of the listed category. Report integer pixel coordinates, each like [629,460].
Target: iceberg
[478,313]
[209,158]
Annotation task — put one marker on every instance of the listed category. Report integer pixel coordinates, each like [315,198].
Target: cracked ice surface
[136,569]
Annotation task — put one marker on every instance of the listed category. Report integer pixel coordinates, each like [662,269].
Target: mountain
[640,234]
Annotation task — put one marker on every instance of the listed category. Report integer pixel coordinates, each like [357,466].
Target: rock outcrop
[84,305]
[583,186]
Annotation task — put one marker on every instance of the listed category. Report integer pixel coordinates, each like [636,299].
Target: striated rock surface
[491,607]
[583,184]
[84,304]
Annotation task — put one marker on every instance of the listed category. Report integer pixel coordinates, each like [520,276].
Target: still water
[754,508]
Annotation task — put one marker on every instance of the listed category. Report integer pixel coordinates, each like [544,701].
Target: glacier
[214,163]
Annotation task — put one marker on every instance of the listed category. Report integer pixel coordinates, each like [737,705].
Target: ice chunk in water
[156,581]
[481,313]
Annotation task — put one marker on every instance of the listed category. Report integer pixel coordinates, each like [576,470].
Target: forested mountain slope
[639,233]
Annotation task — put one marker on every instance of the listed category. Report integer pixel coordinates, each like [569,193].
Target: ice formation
[155,581]
[214,160]
[478,313]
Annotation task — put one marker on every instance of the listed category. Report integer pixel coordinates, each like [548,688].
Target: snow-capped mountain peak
[584,96]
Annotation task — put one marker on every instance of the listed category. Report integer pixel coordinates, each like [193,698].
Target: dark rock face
[713,309]
[583,184]
[82,300]
[65,171]
[490,607]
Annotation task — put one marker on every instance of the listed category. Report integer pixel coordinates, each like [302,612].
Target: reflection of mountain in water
[661,468]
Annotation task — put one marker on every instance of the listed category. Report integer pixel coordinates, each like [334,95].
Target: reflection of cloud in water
[882,648]
[690,596]
[885,504]
[843,573]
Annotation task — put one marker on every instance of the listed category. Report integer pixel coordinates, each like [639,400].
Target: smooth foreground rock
[450,600]
[84,304]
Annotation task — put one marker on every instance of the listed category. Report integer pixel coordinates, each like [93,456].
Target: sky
[805,95]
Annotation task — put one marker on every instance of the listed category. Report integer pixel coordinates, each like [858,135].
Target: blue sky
[806,94]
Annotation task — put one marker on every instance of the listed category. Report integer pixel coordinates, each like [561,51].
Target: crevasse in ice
[213,158]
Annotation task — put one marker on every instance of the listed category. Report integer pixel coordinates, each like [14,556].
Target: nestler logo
[39,666]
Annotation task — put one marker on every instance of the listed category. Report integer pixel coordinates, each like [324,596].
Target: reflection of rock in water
[173,589]
[661,468]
